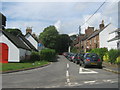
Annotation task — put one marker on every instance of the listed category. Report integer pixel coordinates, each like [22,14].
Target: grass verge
[18,66]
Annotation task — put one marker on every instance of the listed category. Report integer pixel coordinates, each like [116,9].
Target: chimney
[89,30]
[29,29]
[101,26]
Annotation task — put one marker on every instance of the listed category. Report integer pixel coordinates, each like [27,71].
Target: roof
[15,40]
[27,42]
[115,38]
[117,30]
[97,32]
[31,35]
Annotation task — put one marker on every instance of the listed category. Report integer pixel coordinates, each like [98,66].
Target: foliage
[117,60]
[49,37]
[48,54]
[113,54]
[74,50]
[63,43]
[14,32]
[106,57]
[35,56]
[100,51]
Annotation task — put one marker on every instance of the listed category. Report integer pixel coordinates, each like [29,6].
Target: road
[61,74]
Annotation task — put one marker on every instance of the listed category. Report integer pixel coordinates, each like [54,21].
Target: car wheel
[83,65]
[100,66]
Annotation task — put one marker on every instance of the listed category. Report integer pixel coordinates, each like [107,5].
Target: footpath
[111,67]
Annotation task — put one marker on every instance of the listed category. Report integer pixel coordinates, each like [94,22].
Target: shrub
[106,57]
[48,54]
[113,54]
[100,51]
[117,60]
[35,56]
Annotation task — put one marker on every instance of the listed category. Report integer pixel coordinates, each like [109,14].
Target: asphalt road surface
[61,74]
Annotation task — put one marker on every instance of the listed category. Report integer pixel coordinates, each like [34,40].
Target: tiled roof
[97,32]
[27,42]
[15,40]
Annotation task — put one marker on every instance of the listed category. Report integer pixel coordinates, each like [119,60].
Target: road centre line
[67,65]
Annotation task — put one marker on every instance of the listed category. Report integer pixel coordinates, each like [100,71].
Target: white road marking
[67,73]
[67,65]
[87,71]
[90,82]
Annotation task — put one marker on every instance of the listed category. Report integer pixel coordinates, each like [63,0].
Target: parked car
[91,59]
[65,54]
[70,56]
[78,57]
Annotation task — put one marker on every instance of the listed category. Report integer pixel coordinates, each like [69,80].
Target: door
[3,53]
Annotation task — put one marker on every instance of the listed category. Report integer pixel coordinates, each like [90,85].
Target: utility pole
[79,39]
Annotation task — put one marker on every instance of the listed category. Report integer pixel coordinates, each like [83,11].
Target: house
[84,41]
[13,49]
[114,39]
[33,39]
[105,36]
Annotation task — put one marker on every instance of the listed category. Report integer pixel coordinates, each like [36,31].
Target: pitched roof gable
[32,36]
[27,42]
[15,40]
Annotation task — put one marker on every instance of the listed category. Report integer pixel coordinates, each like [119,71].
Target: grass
[17,66]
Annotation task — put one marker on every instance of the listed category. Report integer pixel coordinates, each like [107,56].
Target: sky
[65,16]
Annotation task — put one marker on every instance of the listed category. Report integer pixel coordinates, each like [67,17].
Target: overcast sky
[66,16]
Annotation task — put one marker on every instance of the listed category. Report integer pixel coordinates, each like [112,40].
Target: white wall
[23,53]
[104,36]
[32,40]
[13,54]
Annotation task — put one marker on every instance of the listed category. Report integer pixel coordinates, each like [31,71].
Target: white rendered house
[104,37]
[12,48]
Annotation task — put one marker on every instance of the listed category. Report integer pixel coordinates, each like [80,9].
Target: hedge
[48,54]
[113,54]
[35,56]
[100,51]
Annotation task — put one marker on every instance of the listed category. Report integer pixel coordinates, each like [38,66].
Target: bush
[106,57]
[117,60]
[35,56]
[48,54]
[113,54]
[100,51]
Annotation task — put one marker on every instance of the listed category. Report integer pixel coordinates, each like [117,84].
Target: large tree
[63,43]
[49,37]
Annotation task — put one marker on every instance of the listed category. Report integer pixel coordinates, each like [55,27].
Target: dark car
[70,56]
[78,57]
[91,59]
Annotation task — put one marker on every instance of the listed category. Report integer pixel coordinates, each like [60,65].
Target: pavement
[111,67]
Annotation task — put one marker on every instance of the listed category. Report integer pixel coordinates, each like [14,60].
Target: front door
[3,53]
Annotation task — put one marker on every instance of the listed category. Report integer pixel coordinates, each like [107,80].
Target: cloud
[58,25]
[65,16]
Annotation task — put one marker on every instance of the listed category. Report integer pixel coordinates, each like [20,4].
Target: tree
[14,32]
[63,43]
[49,37]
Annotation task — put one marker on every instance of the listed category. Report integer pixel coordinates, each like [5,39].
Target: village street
[61,74]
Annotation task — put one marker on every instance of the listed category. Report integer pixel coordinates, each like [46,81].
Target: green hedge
[35,56]
[100,51]
[113,54]
[48,54]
